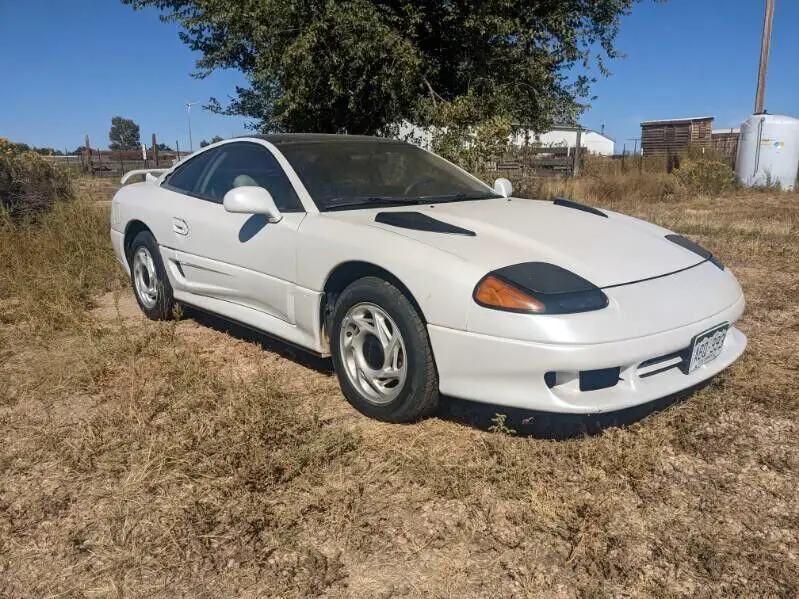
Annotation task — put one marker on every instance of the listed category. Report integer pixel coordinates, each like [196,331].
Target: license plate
[707,346]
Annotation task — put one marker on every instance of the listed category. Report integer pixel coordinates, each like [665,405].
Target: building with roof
[564,136]
[559,136]
[670,136]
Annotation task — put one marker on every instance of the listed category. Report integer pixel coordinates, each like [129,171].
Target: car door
[238,258]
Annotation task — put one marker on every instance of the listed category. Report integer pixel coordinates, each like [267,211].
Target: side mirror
[252,200]
[503,187]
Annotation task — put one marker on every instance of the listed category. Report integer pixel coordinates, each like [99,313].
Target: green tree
[214,139]
[48,151]
[8,147]
[124,134]
[359,65]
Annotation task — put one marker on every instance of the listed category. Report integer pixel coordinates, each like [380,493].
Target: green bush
[462,134]
[30,186]
[708,177]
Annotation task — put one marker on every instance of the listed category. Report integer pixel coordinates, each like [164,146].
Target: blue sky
[69,66]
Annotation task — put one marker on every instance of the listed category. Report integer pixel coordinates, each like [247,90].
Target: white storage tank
[768,151]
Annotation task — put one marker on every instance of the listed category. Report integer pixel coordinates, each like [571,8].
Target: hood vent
[569,204]
[420,222]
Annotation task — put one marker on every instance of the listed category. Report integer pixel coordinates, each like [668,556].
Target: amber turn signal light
[493,292]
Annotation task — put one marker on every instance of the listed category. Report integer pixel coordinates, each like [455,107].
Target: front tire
[381,353]
[149,280]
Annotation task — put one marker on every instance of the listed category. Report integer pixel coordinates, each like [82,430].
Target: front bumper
[510,372]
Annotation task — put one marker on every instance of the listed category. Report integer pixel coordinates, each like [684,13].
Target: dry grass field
[195,459]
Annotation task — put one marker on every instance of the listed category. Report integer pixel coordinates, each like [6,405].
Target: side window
[246,163]
[186,178]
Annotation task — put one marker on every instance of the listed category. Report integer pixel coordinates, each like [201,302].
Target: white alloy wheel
[145,277]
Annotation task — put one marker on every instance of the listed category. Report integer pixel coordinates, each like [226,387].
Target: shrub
[461,134]
[473,147]
[30,186]
[709,177]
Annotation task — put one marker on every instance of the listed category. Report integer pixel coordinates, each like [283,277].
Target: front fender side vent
[577,206]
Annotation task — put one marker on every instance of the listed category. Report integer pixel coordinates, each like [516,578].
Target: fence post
[576,164]
[155,151]
[88,151]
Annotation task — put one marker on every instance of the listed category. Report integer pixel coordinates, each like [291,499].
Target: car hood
[606,251]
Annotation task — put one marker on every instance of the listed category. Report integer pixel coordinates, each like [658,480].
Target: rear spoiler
[149,174]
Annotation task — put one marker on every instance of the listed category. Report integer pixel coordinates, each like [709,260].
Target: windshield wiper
[457,197]
[363,201]
[343,203]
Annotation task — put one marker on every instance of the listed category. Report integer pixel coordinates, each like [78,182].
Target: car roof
[280,139]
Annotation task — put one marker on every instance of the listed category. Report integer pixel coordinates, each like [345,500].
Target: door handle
[180,226]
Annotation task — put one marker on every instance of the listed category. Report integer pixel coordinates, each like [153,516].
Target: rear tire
[148,277]
[382,354]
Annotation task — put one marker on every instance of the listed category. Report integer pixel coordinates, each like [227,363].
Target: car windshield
[356,174]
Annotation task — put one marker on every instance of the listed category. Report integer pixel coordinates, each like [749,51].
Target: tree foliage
[124,134]
[8,147]
[359,65]
[214,139]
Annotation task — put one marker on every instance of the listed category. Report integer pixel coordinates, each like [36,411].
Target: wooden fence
[539,161]
[109,163]
[526,161]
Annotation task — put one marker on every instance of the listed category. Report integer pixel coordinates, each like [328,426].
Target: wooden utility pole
[765,47]
[155,151]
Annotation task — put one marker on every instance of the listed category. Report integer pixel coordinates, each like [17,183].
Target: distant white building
[558,136]
[565,136]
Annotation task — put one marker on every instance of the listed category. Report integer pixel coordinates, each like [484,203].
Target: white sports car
[420,279]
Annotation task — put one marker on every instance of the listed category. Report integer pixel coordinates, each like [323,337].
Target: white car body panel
[272,276]
[507,372]
[329,241]
[606,251]
[234,257]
